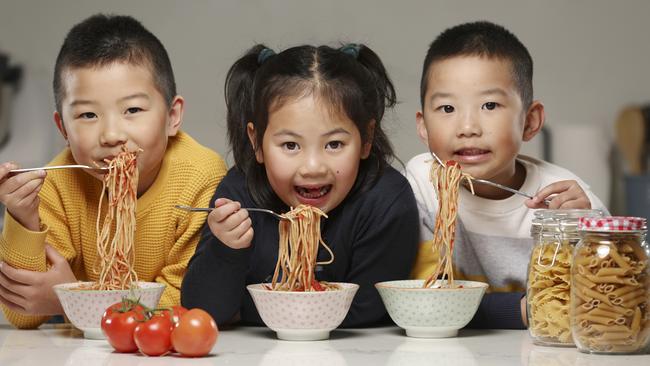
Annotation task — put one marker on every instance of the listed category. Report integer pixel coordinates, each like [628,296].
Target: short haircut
[101,40]
[482,39]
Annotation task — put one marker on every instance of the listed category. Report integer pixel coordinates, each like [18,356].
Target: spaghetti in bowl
[84,307]
[431,312]
[303,315]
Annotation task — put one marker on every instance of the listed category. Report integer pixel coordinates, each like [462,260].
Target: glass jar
[610,286]
[555,233]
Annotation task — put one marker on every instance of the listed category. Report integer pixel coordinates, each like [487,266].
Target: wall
[590,57]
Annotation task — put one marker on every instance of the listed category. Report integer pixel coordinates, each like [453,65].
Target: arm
[216,276]
[24,276]
[500,310]
[384,249]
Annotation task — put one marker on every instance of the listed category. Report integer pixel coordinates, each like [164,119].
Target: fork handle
[52,167]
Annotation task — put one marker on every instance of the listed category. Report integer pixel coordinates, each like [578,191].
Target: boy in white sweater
[477,109]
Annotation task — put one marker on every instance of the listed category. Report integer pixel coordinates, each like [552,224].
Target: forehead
[470,73]
[308,114]
[116,77]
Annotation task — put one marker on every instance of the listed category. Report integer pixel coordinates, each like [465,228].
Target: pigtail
[382,151]
[238,92]
[385,89]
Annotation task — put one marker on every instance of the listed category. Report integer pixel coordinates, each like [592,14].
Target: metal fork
[22,170]
[501,186]
[208,209]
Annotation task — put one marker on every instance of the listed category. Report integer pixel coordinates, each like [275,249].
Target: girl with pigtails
[305,127]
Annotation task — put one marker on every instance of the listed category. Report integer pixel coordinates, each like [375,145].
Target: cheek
[279,172]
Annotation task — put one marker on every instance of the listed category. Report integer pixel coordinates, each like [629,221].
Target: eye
[87,115]
[489,106]
[133,110]
[334,145]
[290,146]
[447,108]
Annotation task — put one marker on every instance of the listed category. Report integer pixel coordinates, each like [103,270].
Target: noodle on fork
[300,238]
[446,182]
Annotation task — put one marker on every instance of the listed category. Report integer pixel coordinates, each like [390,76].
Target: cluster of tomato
[129,326]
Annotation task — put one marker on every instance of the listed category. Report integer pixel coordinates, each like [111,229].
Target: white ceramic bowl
[431,312]
[85,308]
[303,316]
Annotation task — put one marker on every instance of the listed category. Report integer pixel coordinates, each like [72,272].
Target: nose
[313,165]
[113,133]
[468,125]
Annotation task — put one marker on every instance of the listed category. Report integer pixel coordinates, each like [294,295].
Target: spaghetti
[446,182]
[300,239]
[116,250]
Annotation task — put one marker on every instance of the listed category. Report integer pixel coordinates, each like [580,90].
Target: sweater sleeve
[24,249]
[384,250]
[216,276]
[499,310]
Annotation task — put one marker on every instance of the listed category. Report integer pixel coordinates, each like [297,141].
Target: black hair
[104,39]
[352,80]
[482,39]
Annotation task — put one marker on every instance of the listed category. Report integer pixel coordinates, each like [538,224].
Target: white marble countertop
[61,345]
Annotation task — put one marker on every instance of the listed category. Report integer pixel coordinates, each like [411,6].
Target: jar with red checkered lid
[555,234]
[610,287]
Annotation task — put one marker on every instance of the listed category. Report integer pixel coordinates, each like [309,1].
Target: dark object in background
[10,77]
[633,148]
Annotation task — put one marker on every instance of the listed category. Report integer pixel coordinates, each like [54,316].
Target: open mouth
[471,152]
[313,192]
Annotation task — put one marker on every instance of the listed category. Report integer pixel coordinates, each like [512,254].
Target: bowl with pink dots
[84,307]
[303,316]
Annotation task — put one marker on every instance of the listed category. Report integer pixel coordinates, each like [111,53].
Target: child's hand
[230,224]
[19,193]
[524,314]
[566,194]
[30,292]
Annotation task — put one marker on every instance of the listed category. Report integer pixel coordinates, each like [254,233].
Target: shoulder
[419,166]
[195,160]
[233,186]
[547,171]
[418,171]
[391,192]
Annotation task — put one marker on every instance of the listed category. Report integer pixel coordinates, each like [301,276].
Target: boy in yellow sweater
[113,86]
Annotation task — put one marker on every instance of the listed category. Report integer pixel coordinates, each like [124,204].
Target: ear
[535,118]
[250,130]
[422,128]
[175,117]
[370,135]
[58,120]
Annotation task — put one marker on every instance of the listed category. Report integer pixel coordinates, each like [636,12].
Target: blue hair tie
[351,49]
[264,55]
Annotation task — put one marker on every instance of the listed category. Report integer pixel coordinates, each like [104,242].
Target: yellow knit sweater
[165,237]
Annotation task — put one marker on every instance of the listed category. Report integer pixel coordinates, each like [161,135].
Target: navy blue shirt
[373,235]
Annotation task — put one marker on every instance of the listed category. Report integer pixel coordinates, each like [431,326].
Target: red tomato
[119,322]
[175,313]
[153,337]
[195,334]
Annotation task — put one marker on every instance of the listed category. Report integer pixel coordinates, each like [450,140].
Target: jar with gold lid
[555,234]
[610,289]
